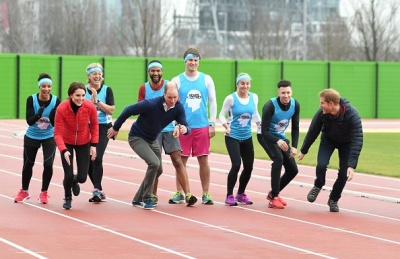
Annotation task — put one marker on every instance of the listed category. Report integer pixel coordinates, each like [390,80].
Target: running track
[367,225]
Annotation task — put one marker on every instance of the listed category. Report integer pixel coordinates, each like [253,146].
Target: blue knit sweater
[152,118]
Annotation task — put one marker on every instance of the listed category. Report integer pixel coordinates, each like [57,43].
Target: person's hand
[182,128]
[93,153]
[211,132]
[228,131]
[67,155]
[176,132]
[301,155]
[293,152]
[350,173]
[282,145]
[111,133]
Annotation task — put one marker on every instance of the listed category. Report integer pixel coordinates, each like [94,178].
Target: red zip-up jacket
[76,129]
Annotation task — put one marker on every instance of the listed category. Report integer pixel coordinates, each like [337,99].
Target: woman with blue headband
[40,111]
[102,97]
[241,106]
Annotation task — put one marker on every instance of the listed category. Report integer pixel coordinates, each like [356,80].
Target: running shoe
[313,194]
[137,203]
[76,189]
[190,199]
[230,201]
[333,206]
[22,196]
[43,198]
[67,203]
[103,196]
[96,198]
[269,197]
[148,204]
[243,199]
[275,203]
[177,198]
[207,199]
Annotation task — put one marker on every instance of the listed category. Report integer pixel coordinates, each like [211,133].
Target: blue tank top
[242,115]
[104,118]
[150,93]
[42,129]
[194,96]
[281,119]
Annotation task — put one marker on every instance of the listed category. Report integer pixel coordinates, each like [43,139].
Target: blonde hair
[93,65]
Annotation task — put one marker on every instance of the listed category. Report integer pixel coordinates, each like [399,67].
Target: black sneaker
[313,194]
[67,203]
[96,197]
[333,206]
[76,189]
[137,203]
[190,200]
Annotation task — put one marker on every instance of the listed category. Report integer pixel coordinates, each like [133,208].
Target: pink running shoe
[275,203]
[43,198]
[242,198]
[22,196]
[230,201]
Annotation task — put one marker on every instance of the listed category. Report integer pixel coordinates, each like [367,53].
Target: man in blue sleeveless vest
[168,138]
[276,116]
[196,92]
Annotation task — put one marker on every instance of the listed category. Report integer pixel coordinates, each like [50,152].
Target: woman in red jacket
[76,128]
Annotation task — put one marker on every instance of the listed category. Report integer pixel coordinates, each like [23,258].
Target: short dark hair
[191,51]
[284,83]
[155,61]
[43,75]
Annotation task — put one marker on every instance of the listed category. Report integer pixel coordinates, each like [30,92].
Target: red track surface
[367,225]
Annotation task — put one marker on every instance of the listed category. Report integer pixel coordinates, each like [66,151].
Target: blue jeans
[325,151]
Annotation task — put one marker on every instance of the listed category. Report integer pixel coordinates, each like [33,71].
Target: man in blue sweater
[154,115]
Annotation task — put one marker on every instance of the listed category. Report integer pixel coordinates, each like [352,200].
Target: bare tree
[377,29]
[144,29]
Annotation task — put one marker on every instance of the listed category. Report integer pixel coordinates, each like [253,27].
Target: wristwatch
[212,124]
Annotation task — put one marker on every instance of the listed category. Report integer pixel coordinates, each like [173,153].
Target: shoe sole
[275,207]
[245,203]
[231,205]
[208,202]
[175,202]
[41,202]
[95,199]
[24,200]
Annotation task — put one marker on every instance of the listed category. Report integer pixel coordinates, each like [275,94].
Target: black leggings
[96,166]
[239,150]
[82,162]
[279,158]
[31,147]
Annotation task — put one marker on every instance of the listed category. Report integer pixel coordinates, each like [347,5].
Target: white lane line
[107,230]
[25,250]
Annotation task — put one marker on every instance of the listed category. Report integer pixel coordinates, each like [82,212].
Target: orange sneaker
[269,197]
[22,196]
[275,203]
[43,198]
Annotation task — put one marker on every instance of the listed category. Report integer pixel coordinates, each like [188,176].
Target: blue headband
[154,64]
[45,80]
[240,78]
[94,69]
[191,55]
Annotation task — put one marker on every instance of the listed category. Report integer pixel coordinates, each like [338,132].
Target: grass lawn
[378,155]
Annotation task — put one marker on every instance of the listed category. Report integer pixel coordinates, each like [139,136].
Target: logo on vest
[193,100]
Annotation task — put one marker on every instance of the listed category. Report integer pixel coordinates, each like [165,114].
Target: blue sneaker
[207,199]
[177,198]
[148,204]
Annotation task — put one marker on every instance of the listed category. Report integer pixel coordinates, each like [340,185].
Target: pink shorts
[197,143]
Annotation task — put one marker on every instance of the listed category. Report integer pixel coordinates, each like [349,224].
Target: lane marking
[25,250]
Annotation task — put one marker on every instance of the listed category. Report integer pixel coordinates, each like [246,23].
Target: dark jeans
[279,158]
[82,162]
[325,151]
[96,166]
[31,147]
[239,150]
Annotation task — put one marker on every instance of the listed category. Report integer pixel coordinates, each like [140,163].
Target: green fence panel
[74,70]
[355,81]
[124,75]
[308,79]
[30,68]
[8,90]
[264,78]
[388,90]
